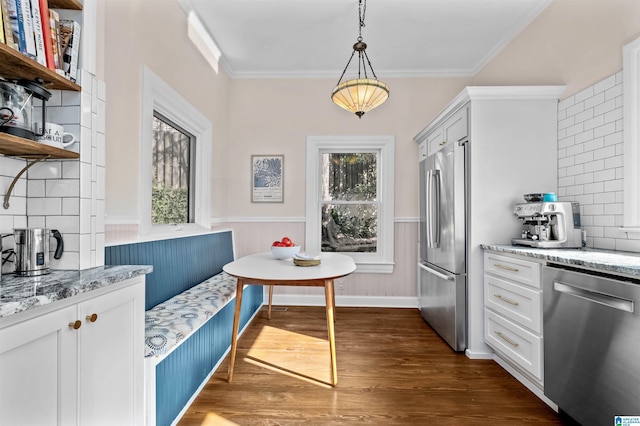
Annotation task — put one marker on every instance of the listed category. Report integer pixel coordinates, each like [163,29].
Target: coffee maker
[549,224]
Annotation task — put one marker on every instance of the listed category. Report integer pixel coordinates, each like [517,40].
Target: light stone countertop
[609,261]
[19,294]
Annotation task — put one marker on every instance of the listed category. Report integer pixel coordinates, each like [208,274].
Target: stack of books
[34,30]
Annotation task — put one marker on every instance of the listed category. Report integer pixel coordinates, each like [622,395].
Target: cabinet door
[38,371]
[112,358]
[456,128]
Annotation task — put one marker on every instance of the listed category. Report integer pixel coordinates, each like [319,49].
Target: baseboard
[478,355]
[346,301]
[525,381]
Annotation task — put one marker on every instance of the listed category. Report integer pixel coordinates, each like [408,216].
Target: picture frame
[267,178]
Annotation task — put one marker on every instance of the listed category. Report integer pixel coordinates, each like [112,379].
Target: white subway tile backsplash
[605,129]
[593,188]
[596,121]
[596,99]
[45,170]
[62,188]
[71,206]
[44,206]
[583,94]
[36,188]
[596,182]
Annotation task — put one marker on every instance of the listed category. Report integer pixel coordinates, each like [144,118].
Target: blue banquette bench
[189,317]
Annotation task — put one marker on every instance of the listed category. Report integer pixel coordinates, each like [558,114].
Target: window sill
[374,268]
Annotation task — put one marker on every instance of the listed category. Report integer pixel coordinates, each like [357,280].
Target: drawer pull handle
[506,339]
[506,268]
[442,143]
[506,299]
[75,325]
[92,317]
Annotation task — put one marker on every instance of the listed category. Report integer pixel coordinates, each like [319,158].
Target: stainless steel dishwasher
[591,344]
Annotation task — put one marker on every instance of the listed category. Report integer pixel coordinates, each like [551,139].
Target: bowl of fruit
[284,249]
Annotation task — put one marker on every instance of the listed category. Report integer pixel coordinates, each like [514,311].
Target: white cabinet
[55,374]
[513,312]
[511,149]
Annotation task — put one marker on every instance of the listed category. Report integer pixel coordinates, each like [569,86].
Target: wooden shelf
[14,66]
[18,147]
[65,4]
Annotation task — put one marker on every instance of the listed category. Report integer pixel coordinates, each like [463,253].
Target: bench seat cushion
[171,321]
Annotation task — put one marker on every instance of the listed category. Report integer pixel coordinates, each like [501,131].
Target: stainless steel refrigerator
[442,292]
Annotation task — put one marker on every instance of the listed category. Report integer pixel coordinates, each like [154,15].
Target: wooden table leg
[236,324]
[270,299]
[329,295]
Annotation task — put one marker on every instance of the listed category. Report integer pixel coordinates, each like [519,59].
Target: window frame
[159,97]
[631,132]
[382,261]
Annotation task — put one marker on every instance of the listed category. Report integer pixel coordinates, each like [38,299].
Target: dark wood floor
[392,369]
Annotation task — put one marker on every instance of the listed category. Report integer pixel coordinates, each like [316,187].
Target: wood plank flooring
[393,369]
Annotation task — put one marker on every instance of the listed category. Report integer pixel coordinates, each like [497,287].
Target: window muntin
[172,179]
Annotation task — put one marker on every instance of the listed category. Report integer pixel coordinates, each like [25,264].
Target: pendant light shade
[362,94]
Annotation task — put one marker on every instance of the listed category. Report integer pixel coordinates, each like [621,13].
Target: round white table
[265,269]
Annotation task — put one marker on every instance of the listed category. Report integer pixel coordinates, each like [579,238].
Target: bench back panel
[178,263]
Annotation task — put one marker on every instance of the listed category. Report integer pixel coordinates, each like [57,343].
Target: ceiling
[405,38]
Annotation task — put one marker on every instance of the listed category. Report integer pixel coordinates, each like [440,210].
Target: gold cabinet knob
[75,325]
[92,317]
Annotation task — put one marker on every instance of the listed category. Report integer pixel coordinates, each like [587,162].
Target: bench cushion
[171,321]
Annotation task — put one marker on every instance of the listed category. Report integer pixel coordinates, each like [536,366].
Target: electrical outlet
[340,285]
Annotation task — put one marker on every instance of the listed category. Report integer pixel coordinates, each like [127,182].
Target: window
[350,199]
[172,180]
[175,161]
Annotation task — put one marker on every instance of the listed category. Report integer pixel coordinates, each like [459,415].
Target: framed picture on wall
[267,177]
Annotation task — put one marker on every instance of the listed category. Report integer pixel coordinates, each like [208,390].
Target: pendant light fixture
[362,94]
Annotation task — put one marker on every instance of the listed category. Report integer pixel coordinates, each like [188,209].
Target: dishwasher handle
[594,296]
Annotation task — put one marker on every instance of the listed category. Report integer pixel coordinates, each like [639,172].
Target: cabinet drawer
[422,150]
[435,141]
[522,271]
[520,304]
[522,347]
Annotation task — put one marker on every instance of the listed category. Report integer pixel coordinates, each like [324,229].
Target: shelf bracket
[8,194]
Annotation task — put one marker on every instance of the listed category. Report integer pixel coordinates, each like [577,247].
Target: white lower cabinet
[82,364]
[513,313]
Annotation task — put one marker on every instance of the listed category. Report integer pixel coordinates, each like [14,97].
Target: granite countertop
[611,261]
[18,294]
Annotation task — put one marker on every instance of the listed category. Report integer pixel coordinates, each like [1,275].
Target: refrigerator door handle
[436,273]
[433,208]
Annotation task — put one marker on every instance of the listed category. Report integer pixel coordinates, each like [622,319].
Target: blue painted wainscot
[189,315]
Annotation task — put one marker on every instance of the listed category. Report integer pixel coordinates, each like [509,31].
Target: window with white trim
[176,138]
[350,204]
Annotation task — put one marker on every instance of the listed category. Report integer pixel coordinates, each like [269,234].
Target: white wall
[572,42]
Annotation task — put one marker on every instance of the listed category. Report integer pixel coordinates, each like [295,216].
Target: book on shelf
[6,24]
[45,24]
[38,32]
[25,23]
[54,23]
[2,40]
[69,33]
[14,25]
